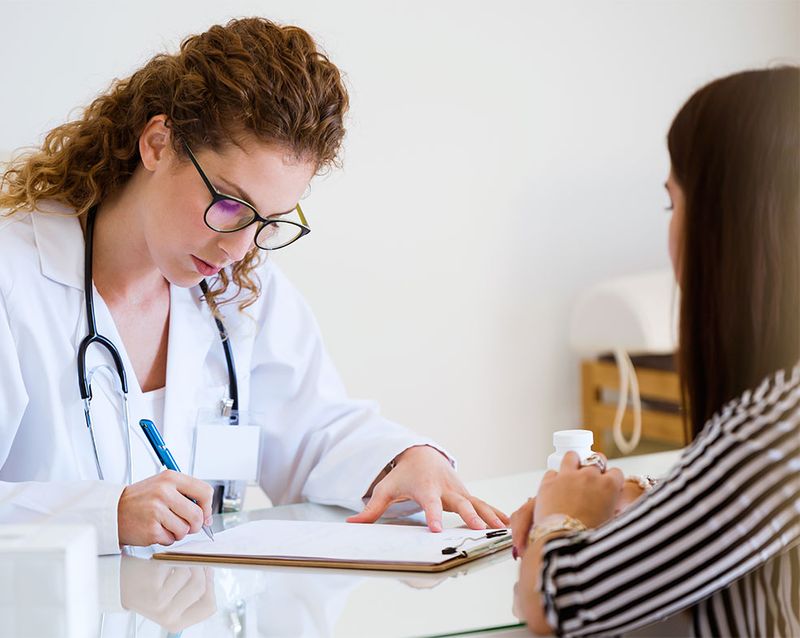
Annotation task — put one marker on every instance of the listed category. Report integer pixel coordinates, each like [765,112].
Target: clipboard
[379,547]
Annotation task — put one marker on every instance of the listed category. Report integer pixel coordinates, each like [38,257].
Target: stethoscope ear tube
[93,336]
[83,381]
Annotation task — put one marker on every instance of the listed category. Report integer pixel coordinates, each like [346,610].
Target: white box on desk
[48,581]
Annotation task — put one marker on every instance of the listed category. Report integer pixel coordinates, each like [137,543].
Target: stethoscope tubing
[233,384]
[93,336]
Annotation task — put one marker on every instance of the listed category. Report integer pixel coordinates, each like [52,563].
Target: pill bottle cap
[573,438]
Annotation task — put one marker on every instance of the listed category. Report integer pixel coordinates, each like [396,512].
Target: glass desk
[142,597]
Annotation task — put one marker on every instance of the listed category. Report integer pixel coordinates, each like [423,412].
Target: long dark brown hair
[735,151]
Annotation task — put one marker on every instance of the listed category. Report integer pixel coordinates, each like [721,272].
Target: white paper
[339,541]
[226,452]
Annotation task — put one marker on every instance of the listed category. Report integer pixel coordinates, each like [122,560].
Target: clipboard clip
[493,534]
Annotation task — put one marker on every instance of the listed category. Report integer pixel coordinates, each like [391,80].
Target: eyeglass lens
[227,215]
[277,234]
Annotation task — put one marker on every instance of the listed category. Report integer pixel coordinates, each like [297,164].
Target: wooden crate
[659,424]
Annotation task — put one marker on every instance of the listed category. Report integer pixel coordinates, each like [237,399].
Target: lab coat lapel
[192,332]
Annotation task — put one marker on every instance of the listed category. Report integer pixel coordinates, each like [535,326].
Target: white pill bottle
[579,441]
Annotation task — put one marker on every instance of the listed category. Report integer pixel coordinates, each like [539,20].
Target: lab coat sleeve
[45,502]
[319,444]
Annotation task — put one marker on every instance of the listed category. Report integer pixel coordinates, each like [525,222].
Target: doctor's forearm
[82,501]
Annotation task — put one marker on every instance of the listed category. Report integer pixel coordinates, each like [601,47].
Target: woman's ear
[154,142]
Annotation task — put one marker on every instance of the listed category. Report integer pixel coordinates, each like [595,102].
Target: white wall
[501,157]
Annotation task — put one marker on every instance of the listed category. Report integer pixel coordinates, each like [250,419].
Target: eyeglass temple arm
[302,216]
[207,182]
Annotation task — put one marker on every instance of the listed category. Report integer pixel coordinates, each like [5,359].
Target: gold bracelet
[555,523]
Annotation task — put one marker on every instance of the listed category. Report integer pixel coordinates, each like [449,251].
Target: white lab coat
[317,444]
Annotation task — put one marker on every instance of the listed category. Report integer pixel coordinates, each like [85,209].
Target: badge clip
[225,407]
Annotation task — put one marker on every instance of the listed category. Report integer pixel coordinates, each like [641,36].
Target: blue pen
[165,456]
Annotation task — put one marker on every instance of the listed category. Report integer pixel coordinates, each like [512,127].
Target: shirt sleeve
[46,502]
[731,504]
[320,445]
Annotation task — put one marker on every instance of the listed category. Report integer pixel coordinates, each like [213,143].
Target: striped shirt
[720,536]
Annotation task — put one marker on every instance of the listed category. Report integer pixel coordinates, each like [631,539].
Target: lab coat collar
[59,239]
[192,331]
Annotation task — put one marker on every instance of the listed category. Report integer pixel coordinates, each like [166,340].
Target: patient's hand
[631,492]
[522,520]
[521,523]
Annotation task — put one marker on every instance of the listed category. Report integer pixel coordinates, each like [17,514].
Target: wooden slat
[589,397]
[654,384]
[659,426]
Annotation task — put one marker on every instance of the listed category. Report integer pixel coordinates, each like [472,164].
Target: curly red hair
[250,76]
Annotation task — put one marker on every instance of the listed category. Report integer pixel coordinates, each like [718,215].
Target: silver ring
[595,459]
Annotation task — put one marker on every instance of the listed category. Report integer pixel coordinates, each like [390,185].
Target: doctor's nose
[236,244]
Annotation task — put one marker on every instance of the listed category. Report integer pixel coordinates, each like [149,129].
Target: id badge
[227,453]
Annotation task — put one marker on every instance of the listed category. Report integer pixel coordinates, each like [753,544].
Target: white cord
[127,409]
[627,377]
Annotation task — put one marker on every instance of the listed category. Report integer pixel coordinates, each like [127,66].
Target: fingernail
[436,526]
[514,553]
[208,521]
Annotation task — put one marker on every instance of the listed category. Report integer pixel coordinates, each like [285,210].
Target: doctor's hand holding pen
[158,509]
[423,474]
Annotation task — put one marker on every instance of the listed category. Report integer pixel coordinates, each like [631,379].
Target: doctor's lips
[204,268]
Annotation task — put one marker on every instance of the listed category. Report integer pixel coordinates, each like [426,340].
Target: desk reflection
[172,596]
[188,599]
[200,600]
[144,597]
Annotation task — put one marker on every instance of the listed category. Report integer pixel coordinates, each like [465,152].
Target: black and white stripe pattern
[720,535]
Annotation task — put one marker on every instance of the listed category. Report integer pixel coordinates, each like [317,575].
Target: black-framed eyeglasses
[229,214]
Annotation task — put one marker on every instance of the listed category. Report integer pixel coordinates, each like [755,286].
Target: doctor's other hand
[158,509]
[423,474]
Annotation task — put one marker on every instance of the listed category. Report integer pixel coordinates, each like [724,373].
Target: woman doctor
[179,177]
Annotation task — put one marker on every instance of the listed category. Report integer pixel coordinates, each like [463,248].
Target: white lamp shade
[636,313]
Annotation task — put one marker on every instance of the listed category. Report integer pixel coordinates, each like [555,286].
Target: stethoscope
[230,408]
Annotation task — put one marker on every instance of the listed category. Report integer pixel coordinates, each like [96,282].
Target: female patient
[721,534]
